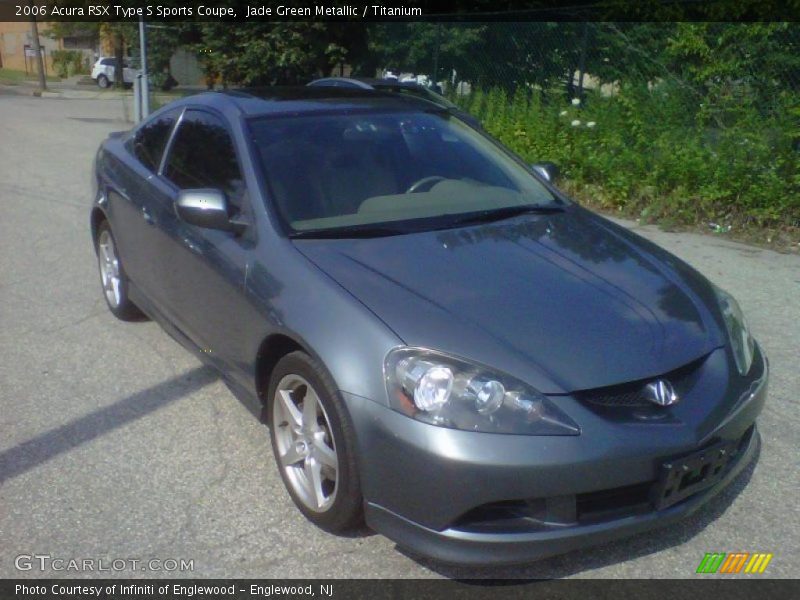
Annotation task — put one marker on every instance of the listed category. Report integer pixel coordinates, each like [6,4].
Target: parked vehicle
[442,341]
[104,68]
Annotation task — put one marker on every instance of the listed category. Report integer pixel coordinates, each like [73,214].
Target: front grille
[633,394]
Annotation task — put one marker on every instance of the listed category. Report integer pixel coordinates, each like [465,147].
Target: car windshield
[404,171]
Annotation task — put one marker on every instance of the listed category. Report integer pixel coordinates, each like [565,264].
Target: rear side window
[202,156]
[108,62]
[149,140]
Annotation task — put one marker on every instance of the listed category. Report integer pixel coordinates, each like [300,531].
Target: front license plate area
[685,476]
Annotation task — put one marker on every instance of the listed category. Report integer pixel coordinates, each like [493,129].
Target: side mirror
[206,208]
[548,170]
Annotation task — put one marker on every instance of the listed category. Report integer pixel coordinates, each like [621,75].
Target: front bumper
[456,496]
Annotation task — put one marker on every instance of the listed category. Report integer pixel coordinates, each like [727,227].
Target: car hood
[567,301]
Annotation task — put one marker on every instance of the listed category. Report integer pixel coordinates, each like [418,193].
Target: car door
[205,268]
[138,200]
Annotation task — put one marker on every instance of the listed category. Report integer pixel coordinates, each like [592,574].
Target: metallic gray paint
[439,474]
[468,548]
[557,300]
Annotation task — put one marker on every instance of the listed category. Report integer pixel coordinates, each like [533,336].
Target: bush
[656,153]
[69,62]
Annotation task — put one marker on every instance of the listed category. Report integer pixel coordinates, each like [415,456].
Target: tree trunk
[119,59]
[37,49]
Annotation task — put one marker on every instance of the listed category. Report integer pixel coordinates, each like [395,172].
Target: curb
[22,90]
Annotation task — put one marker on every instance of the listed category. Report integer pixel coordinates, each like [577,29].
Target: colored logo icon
[735,562]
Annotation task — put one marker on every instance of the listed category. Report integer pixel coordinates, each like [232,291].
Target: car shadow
[362,531]
[33,452]
[595,557]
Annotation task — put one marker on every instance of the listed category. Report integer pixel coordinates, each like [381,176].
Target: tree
[506,55]
[270,53]
[162,41]
[64,29]
[121,35]
[420,47]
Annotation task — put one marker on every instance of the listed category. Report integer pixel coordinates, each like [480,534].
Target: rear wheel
[103,81]
[314,444]
[112,276]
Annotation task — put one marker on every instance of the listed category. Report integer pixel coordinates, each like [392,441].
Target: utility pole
[145,87]
[438,43]
[582,59]
[38,51]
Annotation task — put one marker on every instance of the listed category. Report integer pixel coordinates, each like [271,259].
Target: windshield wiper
[352,231]
[507,212]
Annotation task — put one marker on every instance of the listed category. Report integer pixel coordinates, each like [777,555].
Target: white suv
[103,71]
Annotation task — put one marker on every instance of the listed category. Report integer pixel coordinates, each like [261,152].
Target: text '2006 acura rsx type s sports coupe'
[444,344]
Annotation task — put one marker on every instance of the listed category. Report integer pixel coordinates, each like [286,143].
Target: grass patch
[14,77]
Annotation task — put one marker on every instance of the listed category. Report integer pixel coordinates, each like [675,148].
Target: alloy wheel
[109,268]
[305,445]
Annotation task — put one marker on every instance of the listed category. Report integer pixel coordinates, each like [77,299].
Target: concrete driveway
[115,443]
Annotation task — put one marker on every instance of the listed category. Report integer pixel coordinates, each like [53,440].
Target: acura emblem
[662,393]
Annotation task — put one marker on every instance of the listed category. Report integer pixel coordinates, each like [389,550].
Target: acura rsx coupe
[444,344]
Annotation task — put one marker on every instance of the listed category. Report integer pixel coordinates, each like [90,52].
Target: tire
[103,82]
[330,498]
[113,279]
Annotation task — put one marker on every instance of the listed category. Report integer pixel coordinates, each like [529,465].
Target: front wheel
[314,444]
[112,276]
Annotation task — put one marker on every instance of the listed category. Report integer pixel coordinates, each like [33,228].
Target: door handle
[147,216]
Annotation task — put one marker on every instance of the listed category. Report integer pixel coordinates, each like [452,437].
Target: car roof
[306,100]
[364,82]
[391,85]
[350,82]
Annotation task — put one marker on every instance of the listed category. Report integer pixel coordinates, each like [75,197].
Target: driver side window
[149,140]
[203,156]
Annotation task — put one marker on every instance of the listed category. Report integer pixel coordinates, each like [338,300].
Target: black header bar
[400,10]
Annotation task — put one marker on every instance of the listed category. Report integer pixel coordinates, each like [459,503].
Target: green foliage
[71,62]
[68,62]
[506,55]
[421,47]
[643,156]
[162,41]
[696,122]
[62,29]
[269,53]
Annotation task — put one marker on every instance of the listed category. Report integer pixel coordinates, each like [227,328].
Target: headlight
[449,392]
[738,332]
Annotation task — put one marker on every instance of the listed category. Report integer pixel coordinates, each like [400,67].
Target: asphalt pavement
[117,444]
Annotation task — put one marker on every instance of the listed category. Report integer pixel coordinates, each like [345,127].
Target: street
[116,443]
